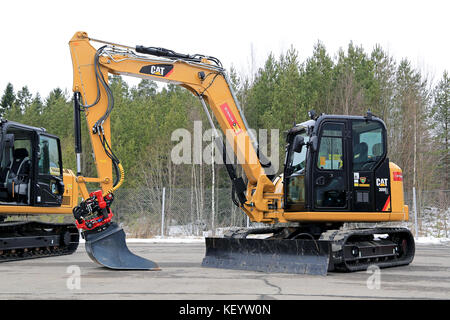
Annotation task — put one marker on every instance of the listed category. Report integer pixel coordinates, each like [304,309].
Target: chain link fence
[191,212]
[187,211]
[433,213]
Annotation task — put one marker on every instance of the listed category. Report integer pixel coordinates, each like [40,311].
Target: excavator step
[108,248]
[20,240]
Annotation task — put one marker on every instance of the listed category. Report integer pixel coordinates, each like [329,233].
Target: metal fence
[432,212]
[186,212]
[190,212]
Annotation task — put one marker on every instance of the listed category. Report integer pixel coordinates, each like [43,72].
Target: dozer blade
[268,255]
[109,249]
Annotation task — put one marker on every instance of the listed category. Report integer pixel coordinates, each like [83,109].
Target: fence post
[415,213]
[162,211]
[212,188]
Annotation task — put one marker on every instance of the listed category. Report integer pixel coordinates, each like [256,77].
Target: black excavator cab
[31,172]
[31,175]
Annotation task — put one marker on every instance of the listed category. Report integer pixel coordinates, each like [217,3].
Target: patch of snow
[159,239]
[431,240]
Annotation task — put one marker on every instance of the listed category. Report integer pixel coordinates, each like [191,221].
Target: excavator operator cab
[30,166]
[335,163]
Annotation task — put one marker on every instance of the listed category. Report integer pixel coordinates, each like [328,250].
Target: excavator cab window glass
[331,150]
[49,156]
[7,157]
[23,144]
[296,179]
[330,177]
[368,144]
[15,167]
[297,161]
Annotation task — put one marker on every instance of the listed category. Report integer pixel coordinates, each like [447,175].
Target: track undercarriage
[310,249]
[21,240]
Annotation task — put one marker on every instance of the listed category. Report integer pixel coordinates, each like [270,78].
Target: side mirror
[298,143]
[60,186]
[314,143]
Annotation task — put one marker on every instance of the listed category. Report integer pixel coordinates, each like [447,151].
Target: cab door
[330,168]
[295,191]
[49,171]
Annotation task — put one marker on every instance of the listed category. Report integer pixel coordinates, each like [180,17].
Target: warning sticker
[397,176]
[231,118]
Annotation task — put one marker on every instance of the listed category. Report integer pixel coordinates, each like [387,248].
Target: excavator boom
[201,75]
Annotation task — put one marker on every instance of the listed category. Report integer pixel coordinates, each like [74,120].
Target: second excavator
[336,171]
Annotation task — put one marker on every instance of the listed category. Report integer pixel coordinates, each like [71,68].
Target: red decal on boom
[231,118]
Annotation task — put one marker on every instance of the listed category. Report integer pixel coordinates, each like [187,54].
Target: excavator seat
[17,176]
[360,152]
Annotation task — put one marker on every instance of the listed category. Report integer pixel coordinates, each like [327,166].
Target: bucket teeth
[109,249]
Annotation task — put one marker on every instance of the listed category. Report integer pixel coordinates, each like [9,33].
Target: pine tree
[441,118]
[8,98]
[317,80]
[24,98]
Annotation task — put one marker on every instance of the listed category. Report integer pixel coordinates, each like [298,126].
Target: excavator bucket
[268,255]
[109,249]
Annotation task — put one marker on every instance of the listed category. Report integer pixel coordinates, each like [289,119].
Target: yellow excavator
[336,170]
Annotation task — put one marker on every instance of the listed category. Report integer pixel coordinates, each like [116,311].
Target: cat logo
[160,70]
[382,182]
[157,71]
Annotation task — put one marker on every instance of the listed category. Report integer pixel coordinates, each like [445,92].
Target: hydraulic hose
[117,186]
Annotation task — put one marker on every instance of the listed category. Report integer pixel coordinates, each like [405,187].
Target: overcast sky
[35,34]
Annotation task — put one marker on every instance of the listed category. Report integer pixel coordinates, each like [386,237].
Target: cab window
[331,147]
[23,144]
[297,160]
[368,144]
[49,156]
[296,176]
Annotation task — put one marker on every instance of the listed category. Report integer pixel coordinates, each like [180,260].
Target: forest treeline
[279,94]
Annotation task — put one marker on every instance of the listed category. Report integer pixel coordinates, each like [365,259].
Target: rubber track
[339,238]
[35,229]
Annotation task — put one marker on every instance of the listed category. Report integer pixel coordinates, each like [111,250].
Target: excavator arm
[203,76]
